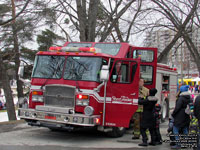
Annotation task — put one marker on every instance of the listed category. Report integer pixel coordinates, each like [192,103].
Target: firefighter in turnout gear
[143,93]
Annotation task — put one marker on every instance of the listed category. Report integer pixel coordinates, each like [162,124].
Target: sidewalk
[12,125]
[127,138]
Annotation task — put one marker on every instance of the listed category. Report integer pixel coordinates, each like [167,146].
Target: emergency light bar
[76,49]
[55,48]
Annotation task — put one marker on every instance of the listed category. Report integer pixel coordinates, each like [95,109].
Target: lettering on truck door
[123,89]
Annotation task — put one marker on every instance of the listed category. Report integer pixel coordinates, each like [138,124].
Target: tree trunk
[16,49]
[81,12]
[162,58]
[193,50]
[92,19]
[7,91]
[119,35]
[178,25]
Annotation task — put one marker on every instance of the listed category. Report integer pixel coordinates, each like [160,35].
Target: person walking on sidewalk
[148,118]
[181,119]
[197,115]
[143,93]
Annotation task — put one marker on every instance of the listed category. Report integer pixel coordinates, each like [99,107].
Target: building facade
[179,56]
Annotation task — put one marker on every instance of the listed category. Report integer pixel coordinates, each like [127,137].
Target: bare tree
[123,27]
[182,27]
[88,17]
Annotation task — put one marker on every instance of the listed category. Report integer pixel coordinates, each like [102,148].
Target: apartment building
[179,56]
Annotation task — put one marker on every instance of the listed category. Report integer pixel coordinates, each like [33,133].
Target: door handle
[133,94]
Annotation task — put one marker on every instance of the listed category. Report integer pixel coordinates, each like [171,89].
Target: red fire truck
[88,84]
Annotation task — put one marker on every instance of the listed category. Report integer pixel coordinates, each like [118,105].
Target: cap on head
[152,92]
[158,107]
[184,88]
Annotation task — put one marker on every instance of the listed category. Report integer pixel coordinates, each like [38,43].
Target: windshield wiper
[76,75]
[75,72]
[55,71]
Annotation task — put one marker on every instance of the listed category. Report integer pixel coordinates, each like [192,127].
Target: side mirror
[21,71]
[104,75]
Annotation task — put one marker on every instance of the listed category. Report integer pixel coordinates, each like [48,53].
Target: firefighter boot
[144,143]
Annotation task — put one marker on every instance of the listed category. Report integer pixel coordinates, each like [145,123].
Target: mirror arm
[97,89]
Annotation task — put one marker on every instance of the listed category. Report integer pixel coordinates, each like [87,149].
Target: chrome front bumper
[58,118]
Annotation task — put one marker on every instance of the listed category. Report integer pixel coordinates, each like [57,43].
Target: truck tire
[165,110]
[116,132]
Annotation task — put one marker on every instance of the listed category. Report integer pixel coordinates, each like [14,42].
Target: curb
[12,122]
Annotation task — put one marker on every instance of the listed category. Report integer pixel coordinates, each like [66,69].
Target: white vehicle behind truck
[166,84]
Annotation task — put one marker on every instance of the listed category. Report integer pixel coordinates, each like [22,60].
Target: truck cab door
[122,89]
[148,64]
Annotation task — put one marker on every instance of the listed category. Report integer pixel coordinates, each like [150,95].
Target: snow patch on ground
[4,116]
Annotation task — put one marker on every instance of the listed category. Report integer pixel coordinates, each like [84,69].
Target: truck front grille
[59,95]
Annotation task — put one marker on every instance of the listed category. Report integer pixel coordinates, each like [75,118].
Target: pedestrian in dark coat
[181,119]
[197,108]
[197,115]
[148,117]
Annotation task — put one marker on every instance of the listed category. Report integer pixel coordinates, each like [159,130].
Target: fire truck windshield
[48,67]
[76,68]
[83,68]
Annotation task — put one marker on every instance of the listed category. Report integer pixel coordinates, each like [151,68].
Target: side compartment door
[148,64]
[122,88]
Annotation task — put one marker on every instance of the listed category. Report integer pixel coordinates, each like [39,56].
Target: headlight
[89,110]
[82,102]
[82,99]
[37,98]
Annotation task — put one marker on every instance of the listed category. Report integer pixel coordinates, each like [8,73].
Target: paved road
[23,137]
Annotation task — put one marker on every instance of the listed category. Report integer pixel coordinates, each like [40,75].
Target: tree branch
[9,20]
